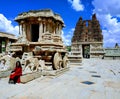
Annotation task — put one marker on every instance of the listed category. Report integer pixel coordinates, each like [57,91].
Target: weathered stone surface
[10,62]
[88,30]
[5,73]
[55,72]
[30,76]
[112,53]
[39,13]
[69,85]
[40,33]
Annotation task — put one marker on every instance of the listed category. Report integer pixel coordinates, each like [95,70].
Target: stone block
[4,73]
[29,77]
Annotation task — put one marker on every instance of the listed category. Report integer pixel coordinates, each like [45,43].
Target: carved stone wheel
[65,61]
[57,61]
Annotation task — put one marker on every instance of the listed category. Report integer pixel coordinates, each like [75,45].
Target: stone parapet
[39,13]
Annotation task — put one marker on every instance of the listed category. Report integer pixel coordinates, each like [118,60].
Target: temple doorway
[34,32]
[86,51]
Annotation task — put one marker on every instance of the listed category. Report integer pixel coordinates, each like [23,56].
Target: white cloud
[107,14]
[76,5]
[67,36]
[6,26]
[107,7]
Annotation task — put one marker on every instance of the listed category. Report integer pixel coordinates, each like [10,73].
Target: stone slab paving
[73,84]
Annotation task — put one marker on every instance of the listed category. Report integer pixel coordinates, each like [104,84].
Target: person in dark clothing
[16,73]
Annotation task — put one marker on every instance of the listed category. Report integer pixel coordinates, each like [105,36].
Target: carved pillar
[6,43]
[45,28]
[60,28]
[0,45]
[49,29]
[56,28]
[21,29]
[40,30]
[24,30]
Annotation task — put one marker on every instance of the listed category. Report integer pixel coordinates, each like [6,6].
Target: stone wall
[112,53]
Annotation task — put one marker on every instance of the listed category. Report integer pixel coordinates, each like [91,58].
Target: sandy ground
[95,79]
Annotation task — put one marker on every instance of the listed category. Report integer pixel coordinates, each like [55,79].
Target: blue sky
[107,11]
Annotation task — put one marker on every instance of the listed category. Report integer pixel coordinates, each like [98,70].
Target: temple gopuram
[87,38]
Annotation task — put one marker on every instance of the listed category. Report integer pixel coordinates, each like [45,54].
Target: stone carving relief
[33,65]
[7,63]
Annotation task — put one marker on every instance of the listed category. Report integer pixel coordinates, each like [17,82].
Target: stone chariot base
[31,76]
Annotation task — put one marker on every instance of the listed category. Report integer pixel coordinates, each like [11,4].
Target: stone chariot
[40,39]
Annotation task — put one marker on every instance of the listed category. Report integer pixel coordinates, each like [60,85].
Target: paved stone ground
[95,79]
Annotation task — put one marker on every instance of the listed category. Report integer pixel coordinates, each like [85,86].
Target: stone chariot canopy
[34,23]
[37,26]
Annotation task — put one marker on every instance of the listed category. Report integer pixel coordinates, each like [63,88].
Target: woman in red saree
[16,73]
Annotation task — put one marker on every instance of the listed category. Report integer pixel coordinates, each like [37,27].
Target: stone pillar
[24,30]
[49,28]
[0,45]
[60,28]
[40,30]
[21,29]
[56,28]
[6,43]
[30,32]
[44,28]
[80,49]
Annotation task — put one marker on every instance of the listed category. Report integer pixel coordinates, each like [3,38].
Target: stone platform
[5,73]
[95,79]
[31,76]
[55,72]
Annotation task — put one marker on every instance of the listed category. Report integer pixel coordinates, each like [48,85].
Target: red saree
[15,75]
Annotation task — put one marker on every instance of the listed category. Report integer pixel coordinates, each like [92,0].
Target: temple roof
[39,13]
[7,35]
[112,52]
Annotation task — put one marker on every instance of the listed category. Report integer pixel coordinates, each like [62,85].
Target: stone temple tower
[88,38]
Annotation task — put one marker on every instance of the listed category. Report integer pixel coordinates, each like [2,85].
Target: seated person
[16,73]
